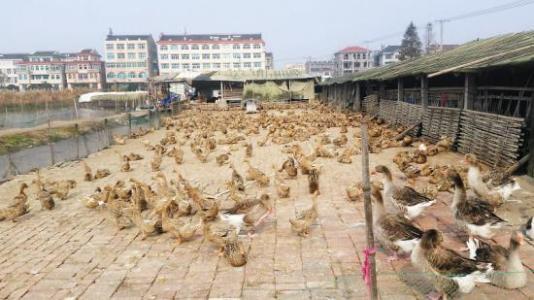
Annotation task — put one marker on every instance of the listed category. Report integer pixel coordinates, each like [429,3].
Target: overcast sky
[292,29]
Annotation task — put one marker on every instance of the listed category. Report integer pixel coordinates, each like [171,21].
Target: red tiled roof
[353,49]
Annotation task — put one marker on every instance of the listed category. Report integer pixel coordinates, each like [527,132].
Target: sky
[294,30]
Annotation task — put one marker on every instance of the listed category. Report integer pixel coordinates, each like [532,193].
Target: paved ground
[73,252]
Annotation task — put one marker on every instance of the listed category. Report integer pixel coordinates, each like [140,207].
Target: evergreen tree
[411,44]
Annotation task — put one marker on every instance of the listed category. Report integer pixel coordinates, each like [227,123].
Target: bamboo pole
[51,145]
[368,212]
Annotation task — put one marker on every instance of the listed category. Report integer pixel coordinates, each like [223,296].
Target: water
[32,118]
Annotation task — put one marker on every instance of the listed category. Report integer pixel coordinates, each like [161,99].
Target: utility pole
[441,32]
[429,37]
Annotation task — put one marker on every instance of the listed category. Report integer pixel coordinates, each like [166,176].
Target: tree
[411,44]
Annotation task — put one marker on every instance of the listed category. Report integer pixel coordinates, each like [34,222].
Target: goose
[509,271]
[476,214]
[406,199]
[447,264]
[528,228]
[393,231]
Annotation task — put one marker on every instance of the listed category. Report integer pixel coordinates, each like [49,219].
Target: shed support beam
[357,98]
[381,90]
[424,92]
[530,122]
[400,90]
[470,90]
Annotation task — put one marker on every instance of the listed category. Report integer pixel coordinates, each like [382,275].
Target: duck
[234,251]
[253,217]
[448,265]
[237,179]
[509,271]
[528,228]
[304,219]
[216,232]
[478,215]
[101,173]
[355,191]
[393,231]
[290,167]
[283,190]
[406,199]
[21,197]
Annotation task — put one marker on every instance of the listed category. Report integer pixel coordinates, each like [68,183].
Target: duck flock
[182,208]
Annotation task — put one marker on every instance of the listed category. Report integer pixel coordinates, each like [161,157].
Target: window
[257,46]
[195,56]
[237,46]
[164,66]
[246,46]
[120,55]
[347,65]
[226,66]
[110,56]
[185,56]
[257,64]
[215,56]
[363,55]
[356,64]
[226,55]
[140,46]
[142,75]
[164,56]
[175,66]
[131,55]
[141,64]
[194,47]
[196,67]
[365,64]
[205,47]
[215,47]
[237,55]
[121,75]
[163,48]
[141,55]
[216,65]
[346,56]
[175,56]
[120,46]
[132,75]
[247,65]
[237,65]
[173,47]
[185,47]
[131,46]
[257,55]
[205,56]
[206,66]
[186,67]
[109,46]
[246,55]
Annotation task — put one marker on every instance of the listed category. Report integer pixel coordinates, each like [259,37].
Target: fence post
[358,98]
[77,132]
[129,124]
[51,145]
[400,90]
[424,92]
[469,90]
[107,131]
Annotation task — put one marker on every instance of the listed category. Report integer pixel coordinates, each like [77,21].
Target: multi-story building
[211,52]
[353,59]
[269,61]
[85,70]
[42,70]
[301,68]
[8,69]
[130,60]
[323,68]
[388,55]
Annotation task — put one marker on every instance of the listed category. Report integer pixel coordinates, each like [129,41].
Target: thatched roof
[508,49]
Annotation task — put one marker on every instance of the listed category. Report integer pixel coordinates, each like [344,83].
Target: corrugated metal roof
[258,75]
[509,49]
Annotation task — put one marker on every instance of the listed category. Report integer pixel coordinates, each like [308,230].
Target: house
[8,69]
[295,67]
[269,61]
[42,70]
[85,70]
[321,68]
[353,59]
[130,60]
[211,52]
[388,55]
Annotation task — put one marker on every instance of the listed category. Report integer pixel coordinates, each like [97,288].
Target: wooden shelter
[480,94]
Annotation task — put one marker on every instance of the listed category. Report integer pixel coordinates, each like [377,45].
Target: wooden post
[470,90]
[75,107]
[368,210]
[130,123]
[51,145]
[107,131]
[530,168]
[77,132]
[400,90]
[381,90]
[424,91]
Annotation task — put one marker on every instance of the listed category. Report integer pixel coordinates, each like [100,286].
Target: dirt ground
[73,252]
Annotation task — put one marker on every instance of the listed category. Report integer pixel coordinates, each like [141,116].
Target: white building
[301,68]
[8,69]
[211,52]
[42,70]
[388,55]
[130,60]
[353,59]
[323,68]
